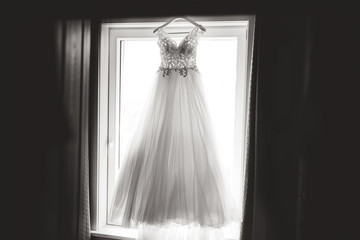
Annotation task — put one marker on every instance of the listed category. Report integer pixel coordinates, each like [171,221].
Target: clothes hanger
[177,18]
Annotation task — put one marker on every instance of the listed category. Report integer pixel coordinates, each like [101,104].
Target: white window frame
[108,100]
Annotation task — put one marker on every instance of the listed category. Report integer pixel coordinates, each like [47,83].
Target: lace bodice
[179,58]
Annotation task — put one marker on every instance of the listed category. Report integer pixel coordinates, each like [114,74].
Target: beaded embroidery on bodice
[179,58]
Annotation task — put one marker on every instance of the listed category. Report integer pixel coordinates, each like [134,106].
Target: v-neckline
[177,45]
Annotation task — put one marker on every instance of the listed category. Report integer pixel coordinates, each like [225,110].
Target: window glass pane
[217,64]
[140,61]
[216,60]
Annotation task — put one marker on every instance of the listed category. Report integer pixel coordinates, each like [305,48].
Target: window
[129,59]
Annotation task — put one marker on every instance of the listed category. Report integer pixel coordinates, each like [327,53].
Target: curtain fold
[246,227]
[84,205]
[73,58]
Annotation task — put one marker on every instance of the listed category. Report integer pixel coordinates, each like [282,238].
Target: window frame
[110,34]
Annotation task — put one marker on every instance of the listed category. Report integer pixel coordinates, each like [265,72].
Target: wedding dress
[171,174]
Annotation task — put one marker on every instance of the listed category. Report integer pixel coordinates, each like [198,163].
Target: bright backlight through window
[130,59]
[216,61]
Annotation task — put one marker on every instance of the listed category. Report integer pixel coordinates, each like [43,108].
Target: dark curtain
[332,199]
[40,128]
[51,133]
[302,176]
[73,55]
[275,158]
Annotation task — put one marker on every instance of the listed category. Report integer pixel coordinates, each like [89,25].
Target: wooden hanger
[177,18]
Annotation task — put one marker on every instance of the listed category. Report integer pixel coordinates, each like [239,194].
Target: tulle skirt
[171,174]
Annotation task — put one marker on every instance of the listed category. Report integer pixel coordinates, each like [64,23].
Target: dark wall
[282,84]
[40,128]
[308,120]
[308,125]
[332,198]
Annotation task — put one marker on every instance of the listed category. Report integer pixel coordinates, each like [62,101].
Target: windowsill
[105,236]
[115,232]
[119,233]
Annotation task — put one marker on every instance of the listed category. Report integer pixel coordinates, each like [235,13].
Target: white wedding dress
[171,173]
